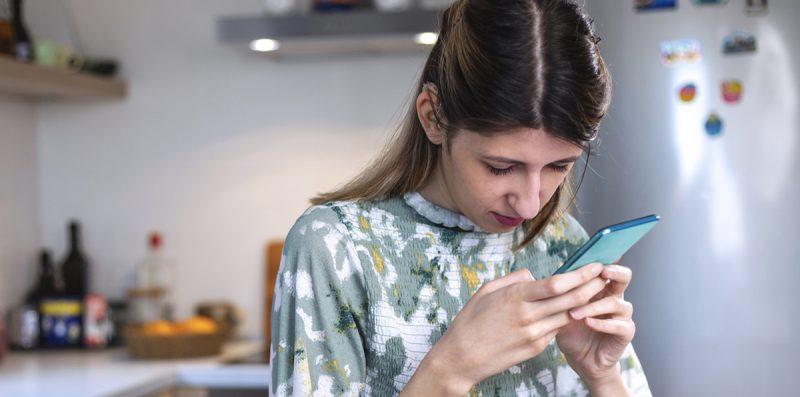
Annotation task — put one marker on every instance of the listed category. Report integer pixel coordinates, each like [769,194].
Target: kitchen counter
[112,373]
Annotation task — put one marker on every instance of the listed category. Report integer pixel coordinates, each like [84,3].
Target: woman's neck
[436,191]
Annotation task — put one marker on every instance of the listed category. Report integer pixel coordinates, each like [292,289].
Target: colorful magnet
[688,92]
[731,91]
[739,42]
[649,5]
[755,7]
[714,125]
[680,51]
[710,2]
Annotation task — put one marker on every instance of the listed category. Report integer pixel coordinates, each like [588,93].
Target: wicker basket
[183,345]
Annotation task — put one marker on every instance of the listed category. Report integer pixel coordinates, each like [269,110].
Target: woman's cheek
[549,187]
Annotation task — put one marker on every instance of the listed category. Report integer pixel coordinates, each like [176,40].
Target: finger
[548,325]
[559,284]
[622,328]
[619,277]
[616,307]
[572,299]
[551,335]
[511,278]
[537,344]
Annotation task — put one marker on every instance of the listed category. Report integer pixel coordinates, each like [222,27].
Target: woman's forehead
[522,144]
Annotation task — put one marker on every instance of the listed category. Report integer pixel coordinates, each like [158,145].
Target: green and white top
[366,288]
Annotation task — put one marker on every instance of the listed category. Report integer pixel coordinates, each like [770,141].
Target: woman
[429,273]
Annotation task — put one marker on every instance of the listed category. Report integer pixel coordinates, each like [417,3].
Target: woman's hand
[600,331]
[507,321]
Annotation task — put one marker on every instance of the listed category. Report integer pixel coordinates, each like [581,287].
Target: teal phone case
[609,244]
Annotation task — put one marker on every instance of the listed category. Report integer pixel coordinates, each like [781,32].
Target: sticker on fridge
[731,91]
[710,2]
[739,42]
[714,125]
[680,51]
[687,93]
[755,7]
[648,5]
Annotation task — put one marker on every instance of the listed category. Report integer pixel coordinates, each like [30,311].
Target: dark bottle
[46,284]
[75,268]
[6,31]
[23,48]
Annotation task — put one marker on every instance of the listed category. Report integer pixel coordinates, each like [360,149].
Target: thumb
[511,278]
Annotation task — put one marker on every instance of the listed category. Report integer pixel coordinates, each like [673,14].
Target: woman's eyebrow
[512,161]
[568,159]
[503,159]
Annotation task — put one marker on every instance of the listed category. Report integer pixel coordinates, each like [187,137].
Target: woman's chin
[496,227]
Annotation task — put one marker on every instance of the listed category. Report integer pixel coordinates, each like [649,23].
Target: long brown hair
[498,65]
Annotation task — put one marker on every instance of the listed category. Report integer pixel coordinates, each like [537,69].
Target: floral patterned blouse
[366,288]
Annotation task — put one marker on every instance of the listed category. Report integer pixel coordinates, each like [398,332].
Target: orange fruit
[199,325]
[160,328]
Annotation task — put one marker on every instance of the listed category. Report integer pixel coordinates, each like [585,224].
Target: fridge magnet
[713,125]
[680,51]
[650,5]
[755,7]
[687,93]
[739,42]
[731,91]
[710,2]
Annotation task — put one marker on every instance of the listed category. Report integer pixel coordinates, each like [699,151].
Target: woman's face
[501,179]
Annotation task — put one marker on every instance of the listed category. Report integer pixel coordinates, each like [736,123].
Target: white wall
[217,147]
[18,200]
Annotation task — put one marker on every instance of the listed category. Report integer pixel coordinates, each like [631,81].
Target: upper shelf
[31,81]
[331,32]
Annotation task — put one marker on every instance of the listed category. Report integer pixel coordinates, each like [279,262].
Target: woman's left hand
[601,330]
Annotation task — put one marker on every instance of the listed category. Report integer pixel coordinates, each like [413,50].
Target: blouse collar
[437,214]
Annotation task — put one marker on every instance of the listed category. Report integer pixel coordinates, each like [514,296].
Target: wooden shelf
[34,82]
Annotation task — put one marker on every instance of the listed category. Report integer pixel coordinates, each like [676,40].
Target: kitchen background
[219,148]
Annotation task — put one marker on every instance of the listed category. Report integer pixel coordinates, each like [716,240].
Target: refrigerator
[716,285]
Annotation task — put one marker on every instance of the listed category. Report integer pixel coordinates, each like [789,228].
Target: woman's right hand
[507,321]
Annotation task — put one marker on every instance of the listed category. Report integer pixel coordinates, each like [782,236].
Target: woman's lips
[507,221]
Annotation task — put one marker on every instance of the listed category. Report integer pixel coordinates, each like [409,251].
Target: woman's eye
[559,167]
[500,171]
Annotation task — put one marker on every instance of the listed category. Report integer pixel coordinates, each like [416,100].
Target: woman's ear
[426,101]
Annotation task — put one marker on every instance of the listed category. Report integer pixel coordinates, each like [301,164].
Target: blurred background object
[284,7]
[434,4]
[23,45]
[393,5]
[227,316]
[3,340]
[272,263]
[6,29]
[152,297]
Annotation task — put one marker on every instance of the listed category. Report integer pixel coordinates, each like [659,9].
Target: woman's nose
[525,201]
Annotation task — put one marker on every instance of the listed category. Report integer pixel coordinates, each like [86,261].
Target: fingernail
[598,268]
[576,314]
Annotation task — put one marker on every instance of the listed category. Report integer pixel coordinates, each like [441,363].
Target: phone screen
[610,243]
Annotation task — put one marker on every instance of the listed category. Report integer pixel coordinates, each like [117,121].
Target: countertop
[112,373]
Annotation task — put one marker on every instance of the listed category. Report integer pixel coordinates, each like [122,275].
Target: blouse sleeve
[633,374]
[317,314]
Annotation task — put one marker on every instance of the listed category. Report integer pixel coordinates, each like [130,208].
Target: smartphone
[610,243]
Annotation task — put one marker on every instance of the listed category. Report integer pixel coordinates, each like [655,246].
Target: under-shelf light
[264,45]
[426,38]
